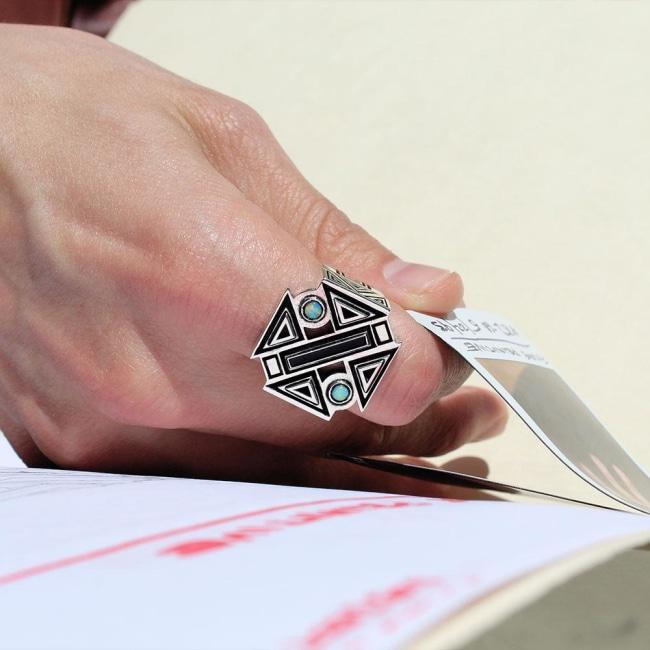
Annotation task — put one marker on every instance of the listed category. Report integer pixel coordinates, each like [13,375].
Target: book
[110,561]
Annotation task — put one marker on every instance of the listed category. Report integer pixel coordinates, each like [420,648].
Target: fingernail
[413,278]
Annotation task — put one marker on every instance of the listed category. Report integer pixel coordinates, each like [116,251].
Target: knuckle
[224,120]
[238,117]
[63,437]
[334,237]
[456,372]
[75,452]
[324,225]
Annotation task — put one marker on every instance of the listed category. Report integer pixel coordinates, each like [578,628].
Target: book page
[535,391]
[8,457]
[139,562]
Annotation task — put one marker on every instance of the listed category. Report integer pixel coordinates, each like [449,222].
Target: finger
[256,164]
[22,443]
[468,415]
[261,261]
[192,454]
[424,370]
[198,455]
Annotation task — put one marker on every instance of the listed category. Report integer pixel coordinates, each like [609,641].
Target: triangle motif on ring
[348,310]
[304,389]
[284,333]
[282,330]
[368,371]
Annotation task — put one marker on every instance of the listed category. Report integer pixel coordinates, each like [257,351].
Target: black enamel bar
[337,346]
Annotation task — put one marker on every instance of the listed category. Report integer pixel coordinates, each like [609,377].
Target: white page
[544,401]
[8,457]
[103,561]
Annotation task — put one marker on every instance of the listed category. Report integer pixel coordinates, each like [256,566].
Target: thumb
[345,245]
[332,237]
[262,171]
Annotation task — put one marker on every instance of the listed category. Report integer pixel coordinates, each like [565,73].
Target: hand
[148,228]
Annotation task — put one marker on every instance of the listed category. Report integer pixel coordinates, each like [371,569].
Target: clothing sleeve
[96,16]
[36,12]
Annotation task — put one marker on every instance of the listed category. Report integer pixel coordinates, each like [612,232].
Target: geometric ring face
[328,348]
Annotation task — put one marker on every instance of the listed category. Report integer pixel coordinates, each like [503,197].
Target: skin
[148,228]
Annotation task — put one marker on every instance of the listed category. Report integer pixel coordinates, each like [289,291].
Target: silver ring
[328,348]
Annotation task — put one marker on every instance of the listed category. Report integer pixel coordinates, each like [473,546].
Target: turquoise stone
[340,392]
[313,310]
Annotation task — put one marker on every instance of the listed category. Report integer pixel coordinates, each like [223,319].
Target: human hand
[148,228]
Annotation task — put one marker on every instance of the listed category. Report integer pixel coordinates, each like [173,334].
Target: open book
[108,561]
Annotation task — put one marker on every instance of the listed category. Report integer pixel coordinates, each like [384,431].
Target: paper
[141,562]
[8,457]
[544,401]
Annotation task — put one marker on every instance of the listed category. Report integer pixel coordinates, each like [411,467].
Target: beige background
[508,141]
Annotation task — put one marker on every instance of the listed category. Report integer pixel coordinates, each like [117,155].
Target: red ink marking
[373,606]
[62,563]
[251,533]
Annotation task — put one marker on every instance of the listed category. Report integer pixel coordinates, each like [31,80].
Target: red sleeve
[96,16]
[36,12]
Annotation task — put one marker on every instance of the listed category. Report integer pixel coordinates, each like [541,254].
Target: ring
[328,348]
